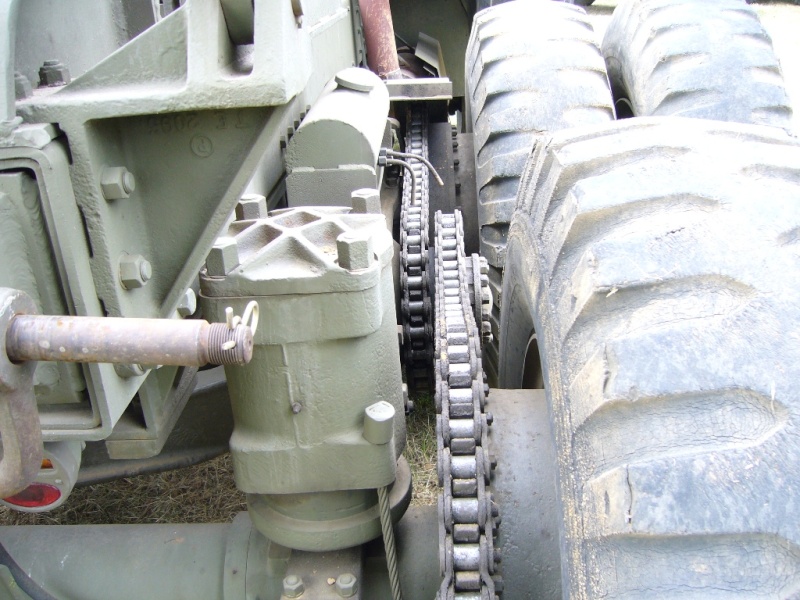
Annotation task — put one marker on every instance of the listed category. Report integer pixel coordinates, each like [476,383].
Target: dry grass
[206,493]
[421,451]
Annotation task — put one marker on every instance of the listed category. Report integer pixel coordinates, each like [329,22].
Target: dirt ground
[206,493]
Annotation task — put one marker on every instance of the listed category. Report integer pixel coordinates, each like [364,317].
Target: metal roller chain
[468,519]
[478,267]
[416,302]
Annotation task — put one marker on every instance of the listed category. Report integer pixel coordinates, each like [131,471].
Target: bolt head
[293,586]
[53,73]
[251,206]
[134,271]
[355,250]
[187,305]
[346,585]
[117,183]
[223,257]
[366,201]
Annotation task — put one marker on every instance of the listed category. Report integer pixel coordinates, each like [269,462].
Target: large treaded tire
[532,67]
[707,59]
[659,262]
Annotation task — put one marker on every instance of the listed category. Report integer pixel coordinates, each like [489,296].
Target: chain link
[468,518]
[415,305]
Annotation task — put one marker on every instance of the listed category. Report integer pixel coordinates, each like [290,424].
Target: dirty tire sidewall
[531,68]
[659,261]
[695,58]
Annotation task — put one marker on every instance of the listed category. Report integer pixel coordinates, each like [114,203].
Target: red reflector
[36,495]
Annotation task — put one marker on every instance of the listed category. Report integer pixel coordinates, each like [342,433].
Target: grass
[421,451]
[205,493]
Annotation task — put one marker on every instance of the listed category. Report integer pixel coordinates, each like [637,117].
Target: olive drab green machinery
[271,227]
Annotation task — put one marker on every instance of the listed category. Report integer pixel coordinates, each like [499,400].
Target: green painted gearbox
[326,348]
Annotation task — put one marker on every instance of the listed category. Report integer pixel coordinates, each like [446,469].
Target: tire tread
[662,329]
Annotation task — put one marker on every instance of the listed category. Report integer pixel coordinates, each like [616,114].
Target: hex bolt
[223,257]
[117,183]
[346,585]
[293,586]
[187,305]
[53,73]
[366,201]
[134,271]
[378,423]
[355,250]
[22,87]
[250,207]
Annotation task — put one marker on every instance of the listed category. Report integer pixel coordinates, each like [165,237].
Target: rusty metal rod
[127,341]
[376,16]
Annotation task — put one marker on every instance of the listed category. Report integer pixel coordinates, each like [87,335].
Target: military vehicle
[270,226]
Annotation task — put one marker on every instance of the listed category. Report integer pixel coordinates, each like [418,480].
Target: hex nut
[355,250]
[117,183]
[366,201]
[187,305]
[223,257]
[251,206]
[293,586]
[134,271]
[346,585]
[53,73]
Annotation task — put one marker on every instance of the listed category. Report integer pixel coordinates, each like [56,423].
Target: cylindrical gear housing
[326,349]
